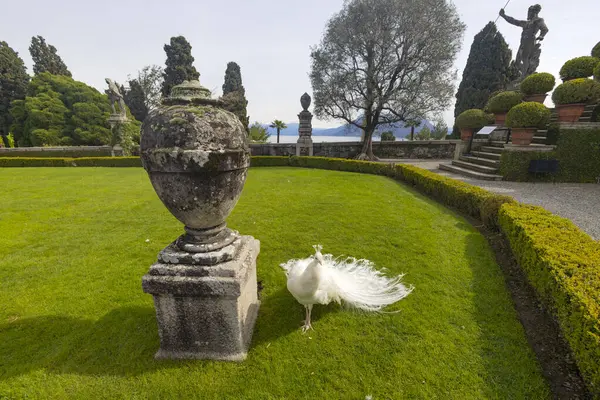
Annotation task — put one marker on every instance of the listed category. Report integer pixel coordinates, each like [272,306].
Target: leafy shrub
[503,102]
[269,161]
[577,91]
[596,50]
[580,67]
[538,83]
[561,263]
[597,72]
[387,136]
[528,115]
[473,119]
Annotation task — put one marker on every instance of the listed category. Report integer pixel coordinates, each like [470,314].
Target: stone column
[304,146]
[204,283]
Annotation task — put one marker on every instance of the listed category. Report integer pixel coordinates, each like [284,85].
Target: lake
[317,139]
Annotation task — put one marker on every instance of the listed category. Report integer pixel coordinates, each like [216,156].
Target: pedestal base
[304,146]
[205,312]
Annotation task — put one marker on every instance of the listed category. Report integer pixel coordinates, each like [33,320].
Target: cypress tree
[135,100]
[234,93]
[13,86]
[487,70]
[179,64]
[46,59]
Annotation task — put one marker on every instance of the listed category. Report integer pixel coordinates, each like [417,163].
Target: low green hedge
[528,115]
[71,162]
[66,152]
[577,91]
[562,263]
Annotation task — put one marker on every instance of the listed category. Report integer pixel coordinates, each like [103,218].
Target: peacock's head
[318,255]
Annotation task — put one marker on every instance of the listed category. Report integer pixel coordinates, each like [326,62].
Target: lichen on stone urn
[196,154]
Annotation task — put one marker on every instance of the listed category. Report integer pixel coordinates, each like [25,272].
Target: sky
[269,39]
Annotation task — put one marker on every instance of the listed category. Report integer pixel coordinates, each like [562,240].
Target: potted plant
[471,120]
[525,119]
[579,67]
[501,103]
[572,96]
[536,86]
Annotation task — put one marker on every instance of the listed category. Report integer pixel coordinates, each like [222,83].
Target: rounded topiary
[577,91]
[580,67]
[538,83]
[473,119]
[503,102]
[596,50]
[528,115]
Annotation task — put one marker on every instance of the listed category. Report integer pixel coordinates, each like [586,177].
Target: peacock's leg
[307,324]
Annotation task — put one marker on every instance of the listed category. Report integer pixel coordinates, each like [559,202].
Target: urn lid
[190,92]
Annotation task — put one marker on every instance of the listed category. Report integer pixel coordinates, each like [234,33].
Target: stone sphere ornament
[197,156]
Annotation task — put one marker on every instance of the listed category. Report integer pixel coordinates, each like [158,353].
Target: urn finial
[305,101]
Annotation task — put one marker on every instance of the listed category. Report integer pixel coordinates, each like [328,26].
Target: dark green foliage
[135,100]
[45,58]
[13,86]
[577,91]
[58,152]
[561,263]
[577,152]
[179,64]
[503,102]
[71,162]
[596,50]
[487,70]
[61,111]
[580,67]
[538,83]
[528,115]
[388,136]
[597,72]
[234,94]
[473,119]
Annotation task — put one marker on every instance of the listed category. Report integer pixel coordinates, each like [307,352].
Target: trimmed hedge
[60,152]
[562,263]
[579,67]
[503,102]
[577,91]
[528,115]
[577,152]
[538,83]
[473,119]
[71,162]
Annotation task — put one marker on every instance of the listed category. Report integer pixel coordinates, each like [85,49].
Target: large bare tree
[386,61]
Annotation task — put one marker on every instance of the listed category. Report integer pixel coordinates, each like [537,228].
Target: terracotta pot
[500,118]
[522,136]
[465,134]
[196,154]
[538,98]
[569,112]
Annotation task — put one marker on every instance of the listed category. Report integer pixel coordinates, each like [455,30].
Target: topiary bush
[503,102]
[473,119]
[596,50]
[528,115]
[577,91]
[580,67]
[538,83]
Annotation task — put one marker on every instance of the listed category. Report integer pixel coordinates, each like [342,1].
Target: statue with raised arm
[115,96]
[528,56]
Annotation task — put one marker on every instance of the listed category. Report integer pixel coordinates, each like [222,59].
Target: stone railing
[434,149]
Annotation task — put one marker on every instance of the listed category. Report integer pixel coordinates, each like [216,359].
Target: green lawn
[74,322]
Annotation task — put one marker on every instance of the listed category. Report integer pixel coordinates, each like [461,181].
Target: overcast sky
[269,39]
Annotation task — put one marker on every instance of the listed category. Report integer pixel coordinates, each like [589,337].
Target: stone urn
[500,118]
[538,98]
[197,157]
[204,283]
[570,112]
[522,136]
[465,134]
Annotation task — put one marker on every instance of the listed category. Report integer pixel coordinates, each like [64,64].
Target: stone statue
[528,56]
[304,146]
[114,96]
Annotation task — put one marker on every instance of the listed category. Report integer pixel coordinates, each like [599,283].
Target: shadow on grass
[123,342]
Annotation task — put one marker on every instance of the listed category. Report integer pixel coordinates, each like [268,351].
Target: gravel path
[579,202]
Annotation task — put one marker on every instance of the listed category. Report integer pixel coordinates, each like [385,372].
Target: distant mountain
[398,129]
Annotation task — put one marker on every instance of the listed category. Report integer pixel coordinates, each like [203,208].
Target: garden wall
[434,149]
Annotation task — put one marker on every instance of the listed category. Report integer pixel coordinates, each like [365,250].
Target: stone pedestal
[304,146]
[206,303]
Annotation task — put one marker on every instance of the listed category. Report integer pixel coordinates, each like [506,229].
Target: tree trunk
[412,132]
[366,152]
[278,130]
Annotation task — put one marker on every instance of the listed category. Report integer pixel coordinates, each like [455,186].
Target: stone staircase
[482,164]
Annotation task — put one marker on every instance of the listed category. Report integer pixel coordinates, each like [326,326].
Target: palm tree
[279,125]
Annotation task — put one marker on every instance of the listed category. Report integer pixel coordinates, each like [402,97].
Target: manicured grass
[74,322]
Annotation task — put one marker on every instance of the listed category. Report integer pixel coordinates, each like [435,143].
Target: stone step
[480,161]
[539,139]
[489,156]
[542,132]
[497,143]
[475,167]
[471,174]
[492,149]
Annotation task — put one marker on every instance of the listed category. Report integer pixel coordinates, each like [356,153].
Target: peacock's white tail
[358,284]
